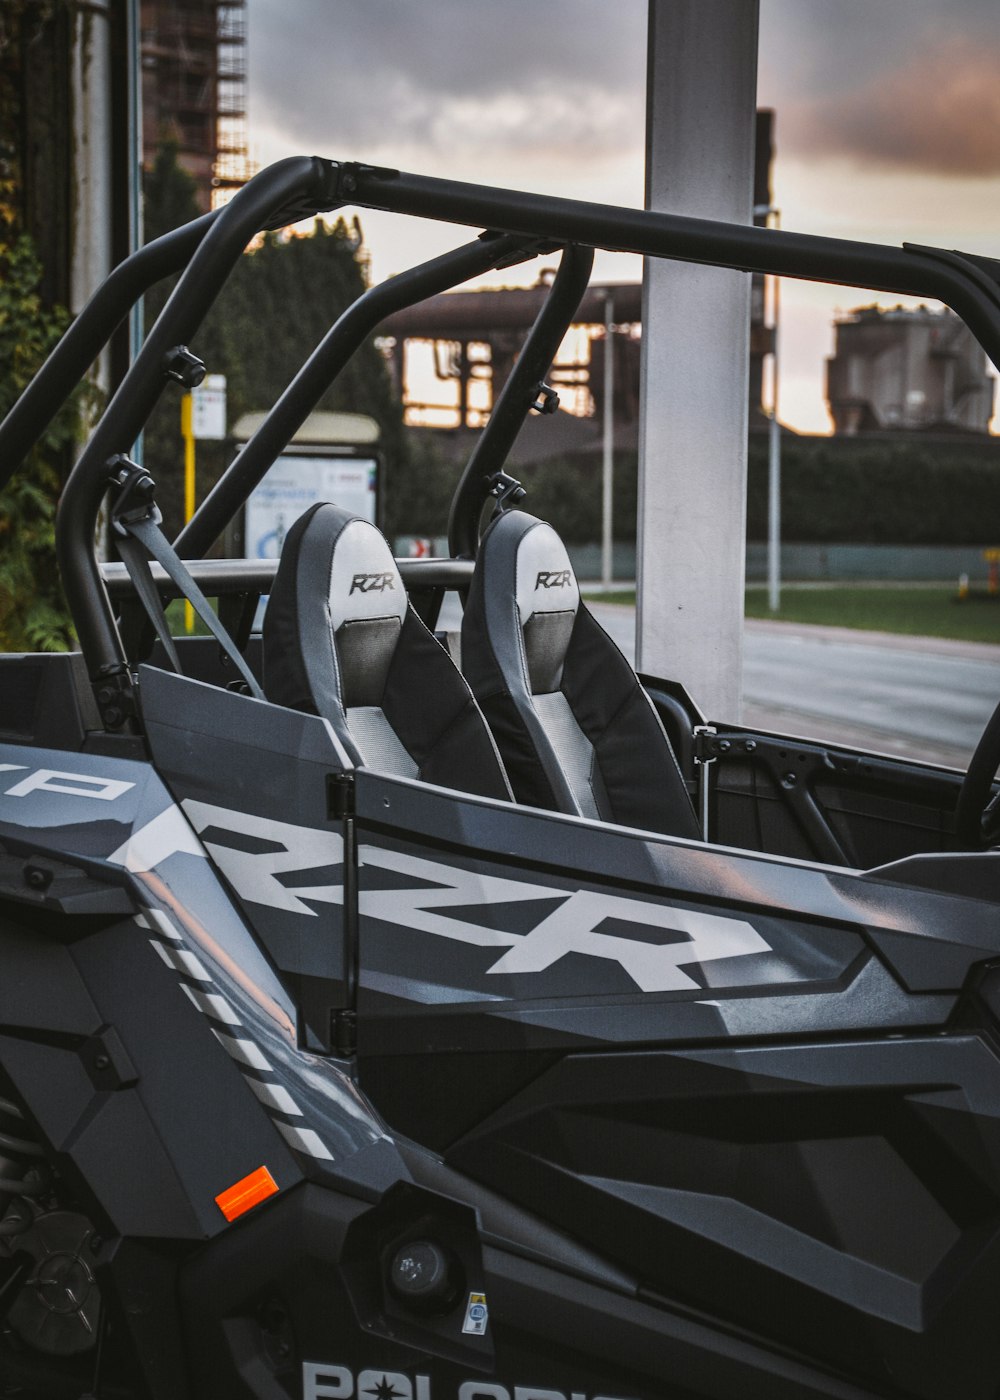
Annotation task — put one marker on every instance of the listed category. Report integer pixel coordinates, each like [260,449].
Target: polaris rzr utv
[375,1028]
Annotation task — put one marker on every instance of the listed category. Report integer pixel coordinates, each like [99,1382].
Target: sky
[887,125]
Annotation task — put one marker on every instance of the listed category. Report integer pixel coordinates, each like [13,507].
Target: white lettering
[456,889]
[166,835]
[322,1382]
[252,873]
[571,928]
[652,958]
[47,780]
[653,967]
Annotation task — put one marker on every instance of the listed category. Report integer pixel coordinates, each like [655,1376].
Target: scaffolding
[233,166]
[194,90]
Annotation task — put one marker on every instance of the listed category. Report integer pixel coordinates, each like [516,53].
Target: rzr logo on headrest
[372,583]
[552,578]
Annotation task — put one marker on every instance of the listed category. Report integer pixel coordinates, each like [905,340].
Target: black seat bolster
[431,709]
[286,621]
[641,776]
[301,667]
[502,689]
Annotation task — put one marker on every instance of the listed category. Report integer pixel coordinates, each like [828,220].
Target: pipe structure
[323,365]
[87,337]
[294,188]
[966,284]
[474,315]
[291,186]
[516,399]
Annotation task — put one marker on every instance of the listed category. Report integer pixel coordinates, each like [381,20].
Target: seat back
[576,731]
[341,640]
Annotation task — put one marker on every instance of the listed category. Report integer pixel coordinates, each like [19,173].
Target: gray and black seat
[341,641]
[576,731]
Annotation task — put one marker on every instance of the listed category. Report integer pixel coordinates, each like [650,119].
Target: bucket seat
[576,730]
[342,641]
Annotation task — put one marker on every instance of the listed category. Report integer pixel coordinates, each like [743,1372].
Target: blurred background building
[194,73]
[905,369]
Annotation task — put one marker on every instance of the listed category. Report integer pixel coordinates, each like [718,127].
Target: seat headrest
[364,581]
[335,613]
[544,580]
[525,585]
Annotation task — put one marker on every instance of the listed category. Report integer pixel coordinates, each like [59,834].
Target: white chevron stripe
[304,1140]
[180,960]
[178,957]
[275,1096]
[244,1051]
[213,1005]
[156,919]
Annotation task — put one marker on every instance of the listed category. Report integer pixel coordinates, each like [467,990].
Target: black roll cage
[517,225]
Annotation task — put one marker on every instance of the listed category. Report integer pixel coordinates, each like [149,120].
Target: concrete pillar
[701,101]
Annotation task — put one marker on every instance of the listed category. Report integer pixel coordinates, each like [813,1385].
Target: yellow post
[187,433]
[992,557]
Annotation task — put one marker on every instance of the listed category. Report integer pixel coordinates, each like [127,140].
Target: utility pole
[608,444]
[773,439]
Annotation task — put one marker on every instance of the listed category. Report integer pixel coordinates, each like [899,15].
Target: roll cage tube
[516,399]
[91,330]
[970,285]
[325,363]
[87,336]
[291,188]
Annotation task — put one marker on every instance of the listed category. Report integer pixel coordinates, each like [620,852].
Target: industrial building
[475,337]
[906,369]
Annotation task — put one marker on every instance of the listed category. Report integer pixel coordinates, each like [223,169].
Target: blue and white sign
[295,483]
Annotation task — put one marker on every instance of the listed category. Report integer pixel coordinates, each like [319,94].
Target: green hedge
[916,490]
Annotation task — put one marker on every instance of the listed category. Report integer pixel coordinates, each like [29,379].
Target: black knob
[422,1275]
[183,364]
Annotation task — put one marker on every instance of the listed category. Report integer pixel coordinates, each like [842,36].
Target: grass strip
[916,611]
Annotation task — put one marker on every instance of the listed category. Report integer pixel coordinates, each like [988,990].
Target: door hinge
[339,795]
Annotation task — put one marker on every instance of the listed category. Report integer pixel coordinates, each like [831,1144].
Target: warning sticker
[476,1315]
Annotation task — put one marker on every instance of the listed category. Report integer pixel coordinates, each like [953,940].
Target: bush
[273,310]
[914,490]
[891,490]
[33,613]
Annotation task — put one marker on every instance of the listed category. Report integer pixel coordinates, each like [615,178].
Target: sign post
[203,415]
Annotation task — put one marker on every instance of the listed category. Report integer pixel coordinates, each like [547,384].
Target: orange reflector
[246,1194]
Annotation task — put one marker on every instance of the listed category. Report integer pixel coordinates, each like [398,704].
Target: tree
[275,307]
[33,614]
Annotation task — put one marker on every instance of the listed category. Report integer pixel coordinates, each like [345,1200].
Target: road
[922,697]
[919,697]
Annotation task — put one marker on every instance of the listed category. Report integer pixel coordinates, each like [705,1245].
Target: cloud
[939,113]
[909,85]
[496,92]
[370,79]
